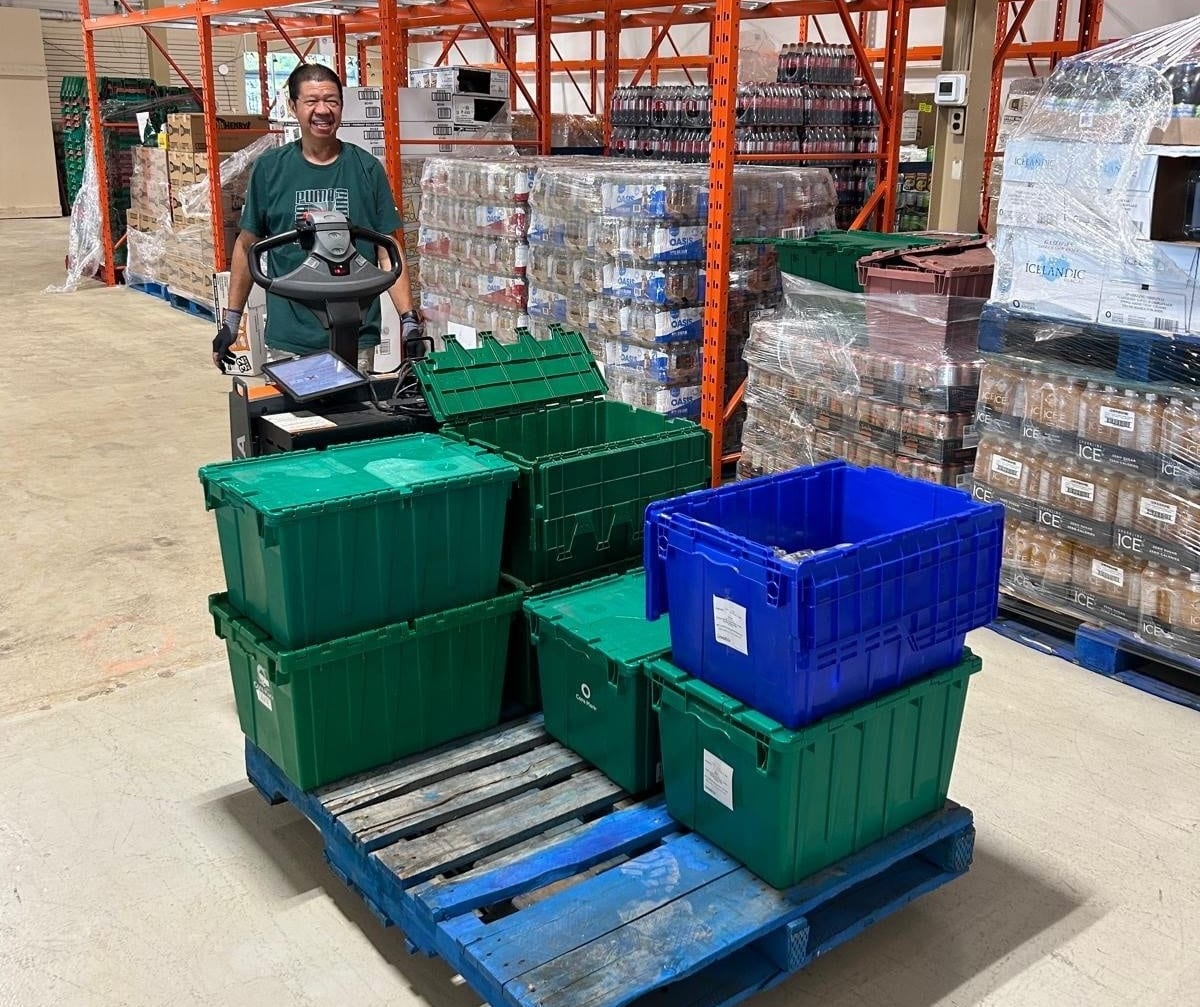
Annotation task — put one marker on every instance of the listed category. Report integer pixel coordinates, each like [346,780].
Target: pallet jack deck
[541,883]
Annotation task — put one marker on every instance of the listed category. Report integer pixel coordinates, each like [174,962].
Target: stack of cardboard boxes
[189,258]
[148,216]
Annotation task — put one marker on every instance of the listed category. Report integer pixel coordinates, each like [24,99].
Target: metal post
[652,55]
[212,142]
[264,91]
[339,45]
[108,268]
[362,63]
[282,34]
[723,77]
[594,89]
[612,64]
[391,82]
[543,26]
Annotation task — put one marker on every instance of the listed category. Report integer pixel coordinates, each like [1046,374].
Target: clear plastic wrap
[479,180]
[508,257]
[85,252]
[1090,393]
[1093,225]
[500,220]
[574,131]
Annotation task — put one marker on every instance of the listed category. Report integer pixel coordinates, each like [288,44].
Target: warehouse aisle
[139,866]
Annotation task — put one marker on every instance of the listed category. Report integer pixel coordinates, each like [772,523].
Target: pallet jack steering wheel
[334,281]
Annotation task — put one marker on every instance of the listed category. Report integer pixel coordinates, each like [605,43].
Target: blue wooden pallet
[184,302]
[146,286]
[541,883]
[1114,653]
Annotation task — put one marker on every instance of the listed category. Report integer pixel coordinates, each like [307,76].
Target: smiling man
[316,172]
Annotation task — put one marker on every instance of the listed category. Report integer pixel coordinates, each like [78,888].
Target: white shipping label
[262,688]
[729,624]
[1158,510]
[295,423]
[1078,489]
[1009,467]
[1107,572]
[718,779]
[1117,419]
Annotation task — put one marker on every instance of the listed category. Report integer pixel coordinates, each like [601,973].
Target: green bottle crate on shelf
[589,467]
[831,257]
[591,643]
[331,710]
[788,803]
[318,545]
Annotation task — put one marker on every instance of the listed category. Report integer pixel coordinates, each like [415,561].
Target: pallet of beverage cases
[541,883]
[191,304]
[1109,651]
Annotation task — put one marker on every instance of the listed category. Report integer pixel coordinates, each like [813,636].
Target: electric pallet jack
[322,399]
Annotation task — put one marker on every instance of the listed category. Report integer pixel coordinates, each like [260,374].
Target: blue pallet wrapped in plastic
[810,591]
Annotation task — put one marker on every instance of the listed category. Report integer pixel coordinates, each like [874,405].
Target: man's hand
[412,332]
[225,338]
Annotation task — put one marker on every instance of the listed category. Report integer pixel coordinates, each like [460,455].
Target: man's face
[318,109]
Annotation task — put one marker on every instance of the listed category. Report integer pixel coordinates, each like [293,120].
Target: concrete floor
[138,867]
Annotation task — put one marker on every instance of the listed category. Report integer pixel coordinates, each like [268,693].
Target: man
[317,172]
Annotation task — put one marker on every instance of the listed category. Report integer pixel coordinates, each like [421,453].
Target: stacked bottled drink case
[816,105]
[1089,406]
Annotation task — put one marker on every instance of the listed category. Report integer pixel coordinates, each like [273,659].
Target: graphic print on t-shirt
[337,200]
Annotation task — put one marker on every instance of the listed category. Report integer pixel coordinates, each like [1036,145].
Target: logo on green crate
[584,696]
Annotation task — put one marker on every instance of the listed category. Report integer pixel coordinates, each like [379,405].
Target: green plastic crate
[339,708]
[319,545]
[591,643]
[589,467]
[831,257]
[788,803]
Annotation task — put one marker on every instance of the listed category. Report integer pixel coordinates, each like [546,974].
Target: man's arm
[239,271]
[239,292]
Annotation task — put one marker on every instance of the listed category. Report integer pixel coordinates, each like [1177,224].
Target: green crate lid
[609,615]
[460,384]
[293,484]
[733,711]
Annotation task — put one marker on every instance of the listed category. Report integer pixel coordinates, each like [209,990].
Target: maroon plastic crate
[926,301]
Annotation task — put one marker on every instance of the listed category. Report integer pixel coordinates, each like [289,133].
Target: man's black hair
[311,71]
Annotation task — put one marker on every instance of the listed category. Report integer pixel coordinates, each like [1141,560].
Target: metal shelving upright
[396,25]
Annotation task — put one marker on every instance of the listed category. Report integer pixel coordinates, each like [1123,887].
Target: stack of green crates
[588,466]
[787,803]
[592,641]
[364,617]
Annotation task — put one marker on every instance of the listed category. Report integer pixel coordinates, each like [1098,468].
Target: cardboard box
[1041,271]
[362,104]
[1180,132]
[185,131]
[1157,307]
[250,350]
[918,121]
[1172,213]
[461,79]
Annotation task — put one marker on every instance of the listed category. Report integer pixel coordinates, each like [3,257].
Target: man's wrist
[232,317]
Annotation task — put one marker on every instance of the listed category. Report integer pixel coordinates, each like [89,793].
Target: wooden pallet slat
[563,897]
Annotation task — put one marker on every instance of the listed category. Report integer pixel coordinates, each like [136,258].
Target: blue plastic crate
[904,570]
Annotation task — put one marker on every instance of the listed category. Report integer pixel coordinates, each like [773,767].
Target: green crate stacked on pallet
[364,617]
[588,466]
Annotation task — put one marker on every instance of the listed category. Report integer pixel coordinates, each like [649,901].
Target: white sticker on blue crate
[729,624]
[262,688]
[718,779]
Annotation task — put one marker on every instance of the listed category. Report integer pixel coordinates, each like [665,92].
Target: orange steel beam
[802,30]
[212,143]
[894,71]
[339,46]
[162,50]
[394,55]
[864,62]
[653,53]
[362,63]
[594,77]
[726,31]
[1025,38]
[1060,29]
[264,95]
[628,63]
[1001,52]
[482,21]
[1091,13]
[1003,42]
[451,42]
[686,72]
[820,31]
[542,82]
[108,268]
[612,63]
[283,35]
[582,97]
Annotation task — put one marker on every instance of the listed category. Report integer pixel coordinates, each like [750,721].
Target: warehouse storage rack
[395,25]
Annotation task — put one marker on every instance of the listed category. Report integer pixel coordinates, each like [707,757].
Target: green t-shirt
[283,184]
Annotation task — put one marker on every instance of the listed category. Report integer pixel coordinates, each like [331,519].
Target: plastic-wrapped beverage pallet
[521,867]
